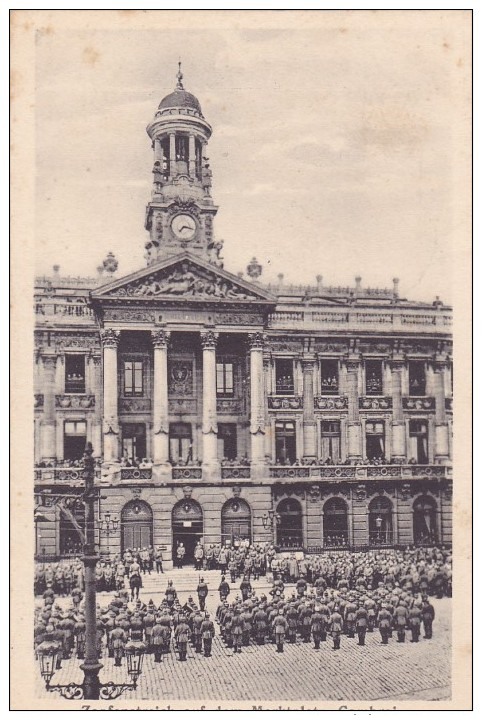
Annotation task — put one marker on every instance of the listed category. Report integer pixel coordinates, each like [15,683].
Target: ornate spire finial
[179,76]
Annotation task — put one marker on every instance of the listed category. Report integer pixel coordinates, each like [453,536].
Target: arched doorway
[289,530]
[70,540]
[235,522]
[335,523]
[187,527]
[424,521]
[380,521]
[136,521]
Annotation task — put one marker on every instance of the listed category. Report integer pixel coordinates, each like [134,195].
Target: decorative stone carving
[339,402]
[38,401]
[187,473]
[78,402]
[133,473]
[235,472]
[449,404]
[448,489]
[137,316]
[238,318]
[314,493]
[256,341]
[180,377]
[136,492]
[334,472]
[418,403]
[289,472]
[236,492]
[361,492]
[209,340]
[374,403]
[285,403]
[185,280]
[110,338]
[428,471]
[160,338]
[229,406]
[187,491]
[383,471]
[406,491]
[134,404]
[285,345]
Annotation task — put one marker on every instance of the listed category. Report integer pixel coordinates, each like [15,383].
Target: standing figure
[207,634]
[384,623]
[428,616]
[181,636]
[280,625]
[400,621]
[180,554]
[202,592]
[316,627]
[118,639]
[336,627]
[414,619]
[361,624]
[237,631]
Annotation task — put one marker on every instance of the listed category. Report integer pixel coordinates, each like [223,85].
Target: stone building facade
[221,408]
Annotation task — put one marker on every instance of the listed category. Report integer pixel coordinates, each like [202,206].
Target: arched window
[136,520]
[380,521]
[335,523]
[187,527]
[424,521]
[289,530]
[235,522]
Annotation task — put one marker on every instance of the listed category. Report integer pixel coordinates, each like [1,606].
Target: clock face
[184,227]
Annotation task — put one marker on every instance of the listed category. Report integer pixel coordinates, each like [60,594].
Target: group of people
[64,463]
[352,606]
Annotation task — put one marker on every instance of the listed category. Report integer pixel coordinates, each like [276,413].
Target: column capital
[209,339]
[109,338]
[352,363]
[439,362]
[266,360]
[256,341]
[49,359]
[308,362]
[397,361]
[160,338]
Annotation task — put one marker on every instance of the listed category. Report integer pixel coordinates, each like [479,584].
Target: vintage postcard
[241,402]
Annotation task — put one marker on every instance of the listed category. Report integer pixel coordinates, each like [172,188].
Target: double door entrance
[187,528]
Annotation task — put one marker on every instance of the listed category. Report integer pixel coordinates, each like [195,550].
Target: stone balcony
[60,474]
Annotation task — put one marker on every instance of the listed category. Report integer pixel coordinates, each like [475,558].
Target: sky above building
[333,148]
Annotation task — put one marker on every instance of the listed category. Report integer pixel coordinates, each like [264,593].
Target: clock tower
[180,214]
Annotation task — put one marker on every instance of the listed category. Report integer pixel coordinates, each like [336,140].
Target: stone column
[309,424]
[353,423]
[257,426]
[110,341]
[48,424]
[192,155]
[441,426]
[267,422]
[160,407]
[210,424]
[158,151]
[96,368]
[399,446]
[172,154]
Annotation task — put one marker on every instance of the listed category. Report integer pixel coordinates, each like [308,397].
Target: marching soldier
[247,619]
[414,619]
[336,627]
[305,621]
[400,621]
[118,639]
[245,587]
[292,619]
[316,627]
[280,625]
[224,588]
[202,592]
[165,622]
[428,616]
[207,634]
[170,594]
[181,635]
[361,624]
[384,623]
[237,631]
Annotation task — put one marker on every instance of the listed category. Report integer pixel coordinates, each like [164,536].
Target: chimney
[396,282]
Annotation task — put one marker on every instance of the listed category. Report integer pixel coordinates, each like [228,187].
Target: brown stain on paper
[90,56]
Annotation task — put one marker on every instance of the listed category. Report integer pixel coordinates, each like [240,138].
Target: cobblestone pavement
[406,671]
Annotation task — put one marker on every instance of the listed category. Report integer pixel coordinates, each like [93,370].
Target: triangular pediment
[183,277]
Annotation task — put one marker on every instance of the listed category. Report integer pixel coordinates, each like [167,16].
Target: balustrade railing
[235,472]
[285,402]
[187,472]
[135,473]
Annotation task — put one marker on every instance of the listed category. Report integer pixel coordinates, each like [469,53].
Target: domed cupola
[181,211]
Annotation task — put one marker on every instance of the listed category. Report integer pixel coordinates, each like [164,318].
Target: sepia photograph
[246,236]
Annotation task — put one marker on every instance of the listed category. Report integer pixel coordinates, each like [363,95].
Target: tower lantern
[180,213]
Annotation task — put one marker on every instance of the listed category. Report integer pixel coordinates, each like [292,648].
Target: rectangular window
[134,442]
[416,377]
[285,438]
[75,432]
[374,377]
[418,441]
[375,440]
[329,377]
[227,443]
[225,379]
[285,384]
[74,373]
[330,442]
[180,443]
[133,378]
[182,147]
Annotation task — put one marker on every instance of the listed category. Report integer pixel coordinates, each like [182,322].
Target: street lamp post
[48,651]
[91,665]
